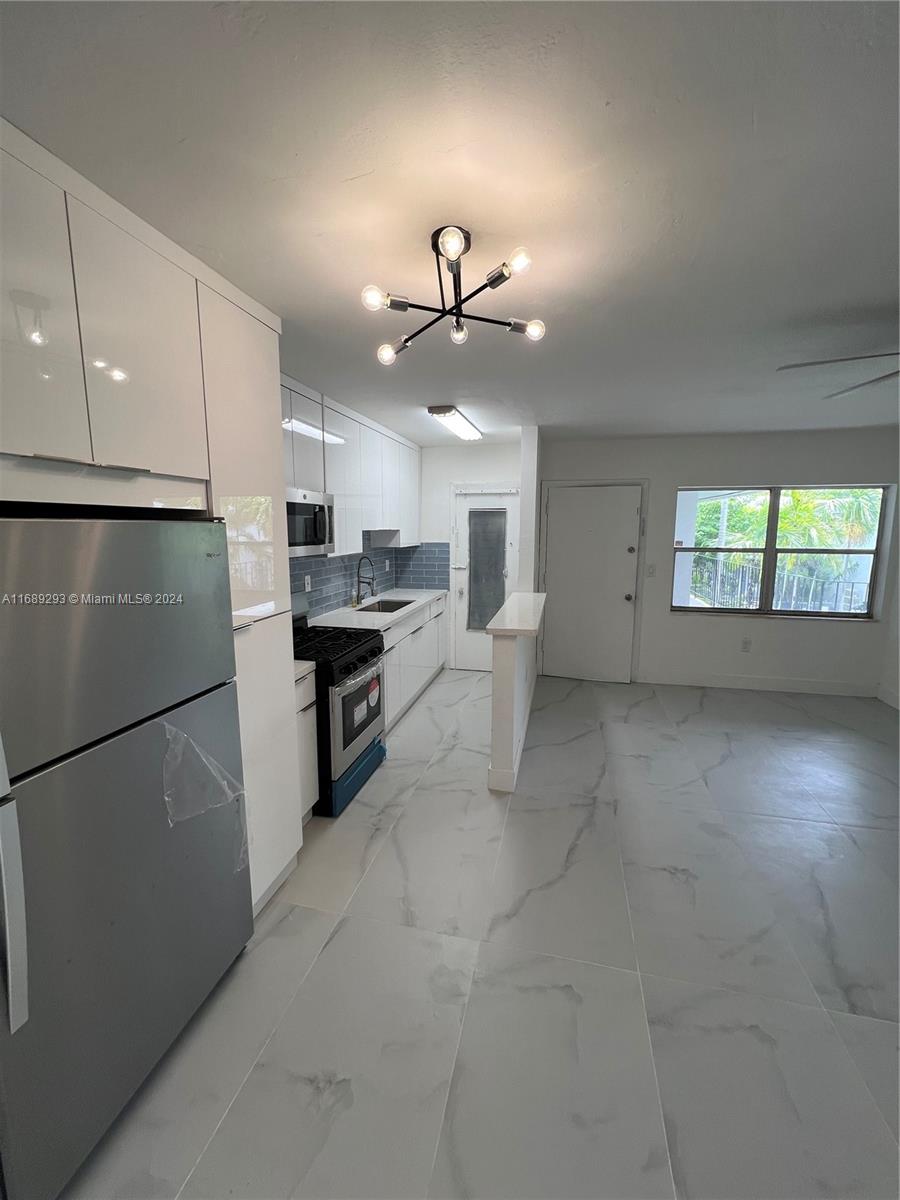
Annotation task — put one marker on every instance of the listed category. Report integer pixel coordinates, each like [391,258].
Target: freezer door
[79,667]
[136,900]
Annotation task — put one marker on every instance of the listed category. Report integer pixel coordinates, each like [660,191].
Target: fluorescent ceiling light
[311,431]
[451,418]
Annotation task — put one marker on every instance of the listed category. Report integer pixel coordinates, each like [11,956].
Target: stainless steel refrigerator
[123,856]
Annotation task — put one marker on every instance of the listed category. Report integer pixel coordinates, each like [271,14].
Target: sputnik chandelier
[450,243]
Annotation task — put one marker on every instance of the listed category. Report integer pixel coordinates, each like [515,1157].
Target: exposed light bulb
[37,337]
[451,243]
[519,261]
[373,297]
[458,333]
[535,330]
[100,363]
[117,375]
[387,355]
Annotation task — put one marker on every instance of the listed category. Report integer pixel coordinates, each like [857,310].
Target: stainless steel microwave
[310,522]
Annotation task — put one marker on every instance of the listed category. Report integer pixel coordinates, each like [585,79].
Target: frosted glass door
[487,565]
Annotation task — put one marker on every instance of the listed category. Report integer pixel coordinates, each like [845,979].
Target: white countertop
[520,616]
[302,668]
[358,618]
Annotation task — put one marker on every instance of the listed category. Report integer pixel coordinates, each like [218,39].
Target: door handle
[628,596]
[15,931]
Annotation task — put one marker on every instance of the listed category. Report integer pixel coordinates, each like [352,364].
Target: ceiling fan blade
[857,386]
[826,362]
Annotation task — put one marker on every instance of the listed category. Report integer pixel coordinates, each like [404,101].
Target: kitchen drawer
[304,692]
[436,607]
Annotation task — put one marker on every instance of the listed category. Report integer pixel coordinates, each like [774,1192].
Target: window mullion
[767,589]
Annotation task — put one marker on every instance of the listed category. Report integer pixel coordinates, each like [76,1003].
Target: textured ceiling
[708,190]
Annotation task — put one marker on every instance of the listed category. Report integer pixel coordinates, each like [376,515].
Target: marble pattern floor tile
[434,869]
[878,845]
[151,1149]
[553,1093]
[334,858]
[875,1048]
[839,914]
[347,1098]
[558,886]
[761,1101]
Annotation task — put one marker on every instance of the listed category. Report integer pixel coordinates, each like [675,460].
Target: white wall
[482,462]
[786,653]
[530,508]
[889,689]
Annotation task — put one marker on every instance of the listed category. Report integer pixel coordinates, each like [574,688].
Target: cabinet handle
[65,458]
[15,930]
[238,628]
[126,467]
[312,704]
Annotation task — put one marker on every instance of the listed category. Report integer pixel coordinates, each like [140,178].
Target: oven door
[310,522]
[357,716]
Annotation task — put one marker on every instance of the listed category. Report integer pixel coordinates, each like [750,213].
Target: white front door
[590,576]
[484,566]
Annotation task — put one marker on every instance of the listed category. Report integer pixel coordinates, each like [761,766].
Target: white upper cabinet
[343,479]
[243,405]
[309,457]
[141,343]
[41,378]
[390,483]
[287,439]
[371,464]
[409,496]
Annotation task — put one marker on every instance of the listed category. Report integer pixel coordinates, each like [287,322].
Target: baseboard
[889,696]
[501,779]
[273,887]
[770,683]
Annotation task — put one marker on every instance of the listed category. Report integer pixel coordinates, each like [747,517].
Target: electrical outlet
[387,564]
[307,582]
[745,645]
[651,570]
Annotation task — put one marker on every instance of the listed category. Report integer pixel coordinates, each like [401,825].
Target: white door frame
[471,489]
[644,485]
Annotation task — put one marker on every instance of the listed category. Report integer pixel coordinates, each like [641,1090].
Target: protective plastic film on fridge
[123,855]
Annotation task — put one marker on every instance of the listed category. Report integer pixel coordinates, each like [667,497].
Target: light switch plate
[307,583]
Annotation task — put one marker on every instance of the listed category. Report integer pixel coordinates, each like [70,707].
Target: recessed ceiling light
[451,418]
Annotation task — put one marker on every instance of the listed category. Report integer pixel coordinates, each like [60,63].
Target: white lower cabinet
[307,748]
[392,686]
[264,656]
[411,664]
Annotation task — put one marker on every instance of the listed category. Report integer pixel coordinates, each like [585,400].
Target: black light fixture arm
[451,243]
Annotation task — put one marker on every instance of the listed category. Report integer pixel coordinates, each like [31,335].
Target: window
[781,550]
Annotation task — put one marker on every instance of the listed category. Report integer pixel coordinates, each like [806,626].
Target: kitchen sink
[384,606]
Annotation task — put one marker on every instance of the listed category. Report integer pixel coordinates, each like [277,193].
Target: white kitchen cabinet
[390,483]
[41,376]
[392,685]
[241,373]
[409,496]
[265,687]
[287,439]
[343,479]
[372,477]
[307,748]
[309,458]
[141,342]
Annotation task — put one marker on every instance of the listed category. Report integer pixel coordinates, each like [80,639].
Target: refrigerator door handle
[15,934]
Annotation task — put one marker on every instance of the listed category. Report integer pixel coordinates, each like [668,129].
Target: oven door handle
[350,685]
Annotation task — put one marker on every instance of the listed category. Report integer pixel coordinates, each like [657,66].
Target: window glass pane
[832,583]
[487,559]
[727,579]
[830,518]
[722,517]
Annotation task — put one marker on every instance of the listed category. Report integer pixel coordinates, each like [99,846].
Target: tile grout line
[263,1048]
[637,963]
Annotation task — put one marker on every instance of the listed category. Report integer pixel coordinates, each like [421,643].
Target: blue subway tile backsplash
[333,580]
[425,566]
